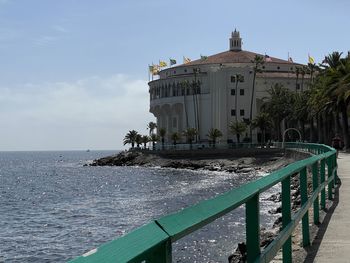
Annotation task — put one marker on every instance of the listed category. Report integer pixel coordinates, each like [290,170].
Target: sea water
[53,209]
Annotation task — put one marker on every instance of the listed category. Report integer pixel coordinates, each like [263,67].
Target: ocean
[53,209]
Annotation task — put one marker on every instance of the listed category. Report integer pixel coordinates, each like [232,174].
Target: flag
[290,60]
[172,61]
[155,69]
[150,68]
[162,64]
[267,58]
[311,59]
[204,57]
[187,60]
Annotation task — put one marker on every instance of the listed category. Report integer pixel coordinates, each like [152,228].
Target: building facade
[214,91]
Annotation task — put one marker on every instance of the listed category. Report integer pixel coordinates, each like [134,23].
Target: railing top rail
[194,217]
[140,242]
[145,240]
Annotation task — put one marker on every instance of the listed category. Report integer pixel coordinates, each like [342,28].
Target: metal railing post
[323,191]
[305,220]
[286,218]
[330,184]
[253,228]
[314,188]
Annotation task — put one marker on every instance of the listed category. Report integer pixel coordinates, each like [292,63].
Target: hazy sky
[73,73]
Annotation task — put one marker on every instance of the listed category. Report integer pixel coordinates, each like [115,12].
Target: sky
[73,73]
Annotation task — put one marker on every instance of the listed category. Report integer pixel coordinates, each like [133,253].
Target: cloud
[7,34]
[94,113]
[60,29]
[44,40]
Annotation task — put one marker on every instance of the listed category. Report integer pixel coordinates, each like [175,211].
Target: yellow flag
[155,69]
[162,64]
[187,60]
[311,60]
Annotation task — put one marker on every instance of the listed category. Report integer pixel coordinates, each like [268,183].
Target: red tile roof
[233,57]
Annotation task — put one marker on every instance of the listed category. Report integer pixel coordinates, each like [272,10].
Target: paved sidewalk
[335,244]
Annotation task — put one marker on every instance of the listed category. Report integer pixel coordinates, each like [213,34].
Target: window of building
[185,70]
[298,86]
[278,67]
[241,92]
[233,92]
[233,78]
[233,112]
[174,71]
[241,112]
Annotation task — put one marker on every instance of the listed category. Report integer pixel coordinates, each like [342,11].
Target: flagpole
[152,71]
[149,77]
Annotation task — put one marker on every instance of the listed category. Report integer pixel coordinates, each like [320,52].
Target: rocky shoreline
[231,164]
[268,235]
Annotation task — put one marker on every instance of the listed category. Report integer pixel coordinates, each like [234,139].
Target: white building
[178,104]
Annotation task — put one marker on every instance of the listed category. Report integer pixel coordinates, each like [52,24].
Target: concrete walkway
[334,246]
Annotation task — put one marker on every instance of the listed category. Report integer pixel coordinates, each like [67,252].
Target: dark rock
[277,223]
[275,198]
[240,255]
[266,237]
[276,210]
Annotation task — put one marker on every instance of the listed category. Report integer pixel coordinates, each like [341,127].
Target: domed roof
[234,57]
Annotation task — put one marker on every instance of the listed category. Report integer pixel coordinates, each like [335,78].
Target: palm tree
[184,87]
[196,91]
[145,139]
[297,72]
[304,70]
[162,132]
[130,138]
[332,60]
[263,122]
[278,105]
[238,128]
[339,89]
[258,61]
[190,134]
[300,110]
[154,138]
[175,137]
[238,78]
[213,134]
[138,140]
[151,126]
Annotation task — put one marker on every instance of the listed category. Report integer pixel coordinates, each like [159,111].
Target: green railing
[152,242]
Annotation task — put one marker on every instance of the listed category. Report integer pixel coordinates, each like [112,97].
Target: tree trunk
[319,128]
[312,130]
[337,123]
[251,108]
[263,136]
[345,125]
[302,123]
[238,136]
[324,128]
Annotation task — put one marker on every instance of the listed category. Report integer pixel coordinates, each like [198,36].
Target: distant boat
[87,150]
